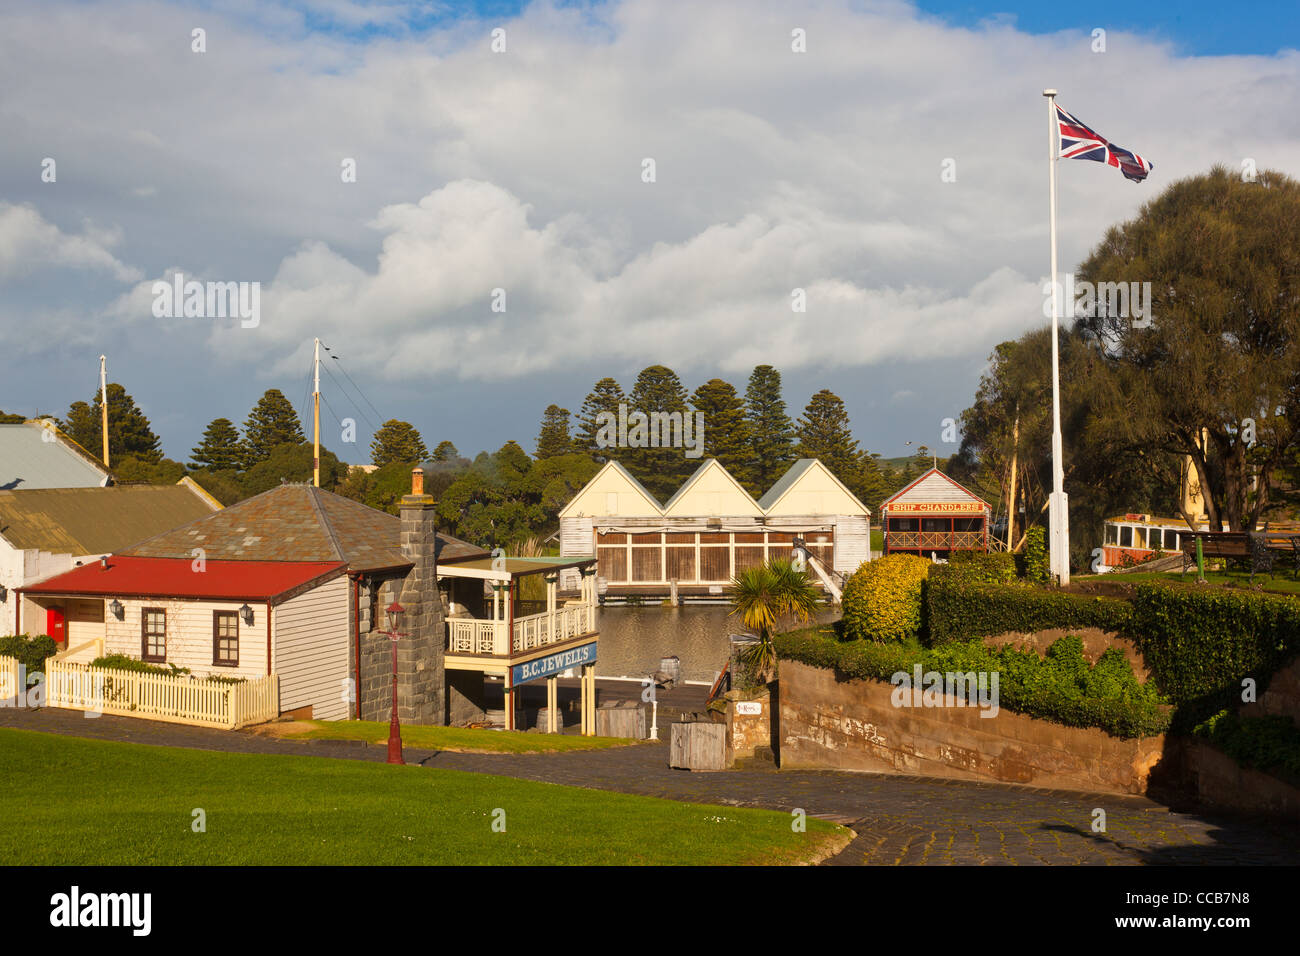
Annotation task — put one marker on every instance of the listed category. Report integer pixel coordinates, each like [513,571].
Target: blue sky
[1195,27]
[776,171]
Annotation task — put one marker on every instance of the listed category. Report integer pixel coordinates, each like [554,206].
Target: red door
[56,624]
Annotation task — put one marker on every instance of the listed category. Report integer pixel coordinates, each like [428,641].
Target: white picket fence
[10,678]
[181,700]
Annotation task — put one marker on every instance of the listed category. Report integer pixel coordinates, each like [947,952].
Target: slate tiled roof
[85,521]
[28,461]
[297,523]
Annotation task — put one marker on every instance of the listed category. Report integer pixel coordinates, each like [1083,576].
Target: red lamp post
[394,612]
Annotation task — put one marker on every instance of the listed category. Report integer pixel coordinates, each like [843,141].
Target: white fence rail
[179,699]
[11,678]
[466,635]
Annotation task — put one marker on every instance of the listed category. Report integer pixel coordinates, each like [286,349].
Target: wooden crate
[621,722]
[698,746]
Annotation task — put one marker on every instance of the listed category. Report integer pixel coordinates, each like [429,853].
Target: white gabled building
[710,530]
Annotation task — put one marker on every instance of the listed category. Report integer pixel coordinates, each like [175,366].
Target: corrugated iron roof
[32,457]
[94,520]
[185,578]
[298,523]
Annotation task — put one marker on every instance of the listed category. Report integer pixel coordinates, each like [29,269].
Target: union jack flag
[1082,142]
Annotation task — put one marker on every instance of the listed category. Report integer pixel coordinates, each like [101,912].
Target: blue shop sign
[552,664]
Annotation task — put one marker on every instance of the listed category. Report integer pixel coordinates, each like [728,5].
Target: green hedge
[1061,687]
[1200,642]
[31,652]
[1271,743]
[979,567]
[122,662]
[882,600]
[959,610]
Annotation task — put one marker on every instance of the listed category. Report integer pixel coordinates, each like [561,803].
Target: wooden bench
[1259,548]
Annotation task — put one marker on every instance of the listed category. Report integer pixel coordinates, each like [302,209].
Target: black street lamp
[394,612]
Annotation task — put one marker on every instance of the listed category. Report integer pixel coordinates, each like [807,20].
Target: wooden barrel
[542,720]
[672,667]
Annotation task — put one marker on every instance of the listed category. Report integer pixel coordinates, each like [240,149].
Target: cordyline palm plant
[777,594]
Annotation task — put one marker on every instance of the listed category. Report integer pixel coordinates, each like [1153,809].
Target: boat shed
[934,516]
[710,530]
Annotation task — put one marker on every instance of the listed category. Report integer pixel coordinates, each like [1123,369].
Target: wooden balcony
[468,635]
[936,540]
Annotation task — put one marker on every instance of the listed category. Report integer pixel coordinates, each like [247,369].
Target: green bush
[882,600]
[30,652]
[1036,562]
[1200,643]
[122,662]
[1271,743]
[1061,687]
[958,610]
[979,567]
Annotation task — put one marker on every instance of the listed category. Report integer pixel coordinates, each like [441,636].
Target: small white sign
[715,588]
[749,708]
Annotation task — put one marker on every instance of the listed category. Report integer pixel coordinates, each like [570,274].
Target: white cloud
[29,243]
[776,171]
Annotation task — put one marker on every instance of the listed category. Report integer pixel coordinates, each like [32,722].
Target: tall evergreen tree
[129,431]
[660,396]
[606,396]
[445,451]
[220,449]
[272,422]
[397,441]
[553,439]
[824,433]
[771,431]
[726,430]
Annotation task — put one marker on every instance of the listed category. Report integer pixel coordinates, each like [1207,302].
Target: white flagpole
[1058,515]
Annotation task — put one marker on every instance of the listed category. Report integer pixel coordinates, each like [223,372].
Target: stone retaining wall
[829,723]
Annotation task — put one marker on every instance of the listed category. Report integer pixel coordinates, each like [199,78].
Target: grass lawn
[1280,580]
[68,800]
[459,739]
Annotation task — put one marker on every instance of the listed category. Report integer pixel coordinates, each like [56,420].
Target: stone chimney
[421,685]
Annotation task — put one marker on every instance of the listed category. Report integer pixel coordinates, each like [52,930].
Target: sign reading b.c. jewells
[552,664]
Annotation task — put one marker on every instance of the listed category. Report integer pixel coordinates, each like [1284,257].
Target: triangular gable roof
[933,485]
[689,499]
[612,470]
[795,474]
[297,523]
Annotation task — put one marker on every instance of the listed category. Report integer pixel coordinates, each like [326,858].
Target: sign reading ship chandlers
[937,507]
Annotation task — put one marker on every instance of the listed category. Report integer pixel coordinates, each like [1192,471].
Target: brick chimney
[421,684]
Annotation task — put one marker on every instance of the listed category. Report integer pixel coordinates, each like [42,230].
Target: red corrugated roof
[178,578]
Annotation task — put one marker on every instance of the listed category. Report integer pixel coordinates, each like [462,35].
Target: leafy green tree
[445,451]
[660,397]
[272,423]
[9,419]
[289,462]
[162,472]
[1210,372]
[726,430]
[221,448]
[129,431]
[824,433]
[553,439]
[771,431]
[605,397]
[397,441]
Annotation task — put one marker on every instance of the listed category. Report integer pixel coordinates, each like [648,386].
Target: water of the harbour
[633,640]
